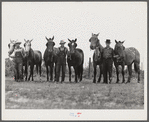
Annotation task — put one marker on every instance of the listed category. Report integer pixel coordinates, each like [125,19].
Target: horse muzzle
[92,47]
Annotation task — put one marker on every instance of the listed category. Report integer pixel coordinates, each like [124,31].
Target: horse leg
[117,73]
[123,74]
[76,74]
[130,73]
[69,73]
[55,72]
[40,71]
[94,80]
[32,72]
[81,73]
[37,68]
[26,70]
[137,69]
[47,72]
[51,72]
[100,67]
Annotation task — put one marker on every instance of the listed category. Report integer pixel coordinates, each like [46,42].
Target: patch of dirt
[20,100]
[110,104]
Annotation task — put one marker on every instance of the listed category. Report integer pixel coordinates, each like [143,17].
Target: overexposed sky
[113,20]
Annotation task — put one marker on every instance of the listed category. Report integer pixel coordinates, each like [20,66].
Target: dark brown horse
[50,57]
[33,57]
[97,60]
[126,56]
[76,60]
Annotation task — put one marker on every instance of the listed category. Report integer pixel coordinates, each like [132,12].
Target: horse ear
[92,34]
[123,41]
[46,44]
[75,39]
[10,40]
[116,42]
[89,40]
[52,37]
[97,34]
[69,40]
[31,40]
[68,44]
[46,38]
[24,44]
[25,40]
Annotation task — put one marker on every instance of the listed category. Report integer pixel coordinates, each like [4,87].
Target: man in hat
[61,61]
[107,55]
[18,56]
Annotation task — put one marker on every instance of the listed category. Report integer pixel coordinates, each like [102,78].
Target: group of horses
[123,56]
[34,58]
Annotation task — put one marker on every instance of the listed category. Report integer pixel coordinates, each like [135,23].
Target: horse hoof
[98,81]
[127,82]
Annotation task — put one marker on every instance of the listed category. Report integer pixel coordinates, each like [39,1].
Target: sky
[113,20]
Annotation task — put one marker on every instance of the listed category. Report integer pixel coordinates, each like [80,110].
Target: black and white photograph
[74,60]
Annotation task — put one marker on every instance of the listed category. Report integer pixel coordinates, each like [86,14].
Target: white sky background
[114,20]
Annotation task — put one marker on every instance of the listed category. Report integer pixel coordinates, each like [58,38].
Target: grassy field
[84,95]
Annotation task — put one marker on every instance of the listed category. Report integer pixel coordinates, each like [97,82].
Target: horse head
[11,46]
[94,41]
[72,45]
[119,50]
[27,46]
[50,44]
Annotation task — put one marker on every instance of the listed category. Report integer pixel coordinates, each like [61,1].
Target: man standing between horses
[107,55]
[61,61]
[18,56]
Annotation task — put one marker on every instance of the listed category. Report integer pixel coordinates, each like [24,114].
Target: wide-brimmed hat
[62,42]
[108,41]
